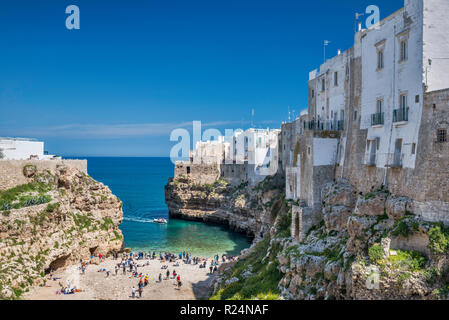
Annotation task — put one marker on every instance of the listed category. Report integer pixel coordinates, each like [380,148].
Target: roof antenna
[325,43]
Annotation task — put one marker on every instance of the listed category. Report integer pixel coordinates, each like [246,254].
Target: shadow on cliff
[202,290]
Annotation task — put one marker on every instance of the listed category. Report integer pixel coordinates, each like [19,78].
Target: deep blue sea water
[139,183]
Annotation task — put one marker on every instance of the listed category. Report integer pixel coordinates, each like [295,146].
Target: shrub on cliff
[376,253]
[264,279]
[439,239]
[25,195]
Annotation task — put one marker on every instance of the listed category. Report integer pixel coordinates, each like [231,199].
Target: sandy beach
[95,285]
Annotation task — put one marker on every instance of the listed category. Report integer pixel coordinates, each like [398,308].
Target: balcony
[394,160]
[320,125]
[400,115]
[370,159]
[340,125]
[377,119]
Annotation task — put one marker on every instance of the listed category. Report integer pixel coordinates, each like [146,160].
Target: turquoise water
[139,183]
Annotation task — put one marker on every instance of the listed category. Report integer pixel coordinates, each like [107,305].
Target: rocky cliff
[366,246]
[242,208]
[54,220]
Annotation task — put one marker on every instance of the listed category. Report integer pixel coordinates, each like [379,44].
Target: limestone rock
[336,218]
[397,207]
[371,204]
[76,223]
[339,194]
[29,171]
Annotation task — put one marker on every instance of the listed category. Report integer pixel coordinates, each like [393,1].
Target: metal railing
[327,125]
[400,114]
[394,160]
[377,119]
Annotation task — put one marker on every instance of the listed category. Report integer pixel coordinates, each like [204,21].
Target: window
[379,107]
[413,148]
[336,79]
[313,93]
[188,170]
[308,150]
[380,59]
[417,98]
[355,115]
[323,85]
[404,51]
[442,135]
[403,101]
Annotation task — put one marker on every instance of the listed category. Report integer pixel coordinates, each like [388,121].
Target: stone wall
[11,171]
[428,183]
[198,173]
[303,219]
[234,173]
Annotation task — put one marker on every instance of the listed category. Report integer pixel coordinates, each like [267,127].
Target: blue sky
[138,69]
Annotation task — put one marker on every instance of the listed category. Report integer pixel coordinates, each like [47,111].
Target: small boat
[159,220]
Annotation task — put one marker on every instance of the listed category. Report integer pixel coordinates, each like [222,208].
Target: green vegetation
[107,224]
[25,195]
[402,229]
[376,253]
[82,221]
[408,260]
[439,239]
[284,223]
[52,207]
[264,278]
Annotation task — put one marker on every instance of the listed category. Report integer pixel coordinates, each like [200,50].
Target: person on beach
[178,280]
[140,292]
[160,277]
[116,270]
[133,293]
[168,274]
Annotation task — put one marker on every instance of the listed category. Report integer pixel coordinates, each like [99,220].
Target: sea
[139,183]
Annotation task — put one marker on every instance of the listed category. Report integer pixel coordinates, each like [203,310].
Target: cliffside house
[23,149]
[378,114]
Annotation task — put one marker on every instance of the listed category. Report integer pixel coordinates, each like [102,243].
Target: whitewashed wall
[21,150]
[335,93]
[393,80]
[436,44]
[324,151]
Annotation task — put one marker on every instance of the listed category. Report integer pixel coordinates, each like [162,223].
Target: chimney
[339,51]
[360,26]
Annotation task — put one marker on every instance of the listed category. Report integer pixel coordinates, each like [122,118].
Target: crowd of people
[131,264]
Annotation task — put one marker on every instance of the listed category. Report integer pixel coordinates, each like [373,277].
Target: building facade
[378,116]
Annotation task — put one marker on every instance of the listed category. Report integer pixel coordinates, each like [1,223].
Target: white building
[329,93]
[254,151]
[401,60]
[211,152]
[22,149]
